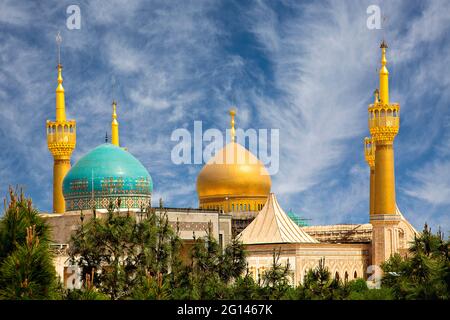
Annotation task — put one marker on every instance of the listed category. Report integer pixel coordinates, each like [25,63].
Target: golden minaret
[114,126]
[61,140]
[384,121]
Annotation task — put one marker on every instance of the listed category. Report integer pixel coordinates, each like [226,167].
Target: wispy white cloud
[431,183]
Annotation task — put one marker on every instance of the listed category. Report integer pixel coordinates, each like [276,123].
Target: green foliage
[212,269]
[26,267]
[233,261]
[245,288]
[128,257]
[319,284]
[422,275]
[152,288]
[19,215]
[124,253]
[275,281]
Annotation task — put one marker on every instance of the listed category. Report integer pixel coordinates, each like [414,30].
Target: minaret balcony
[384,121]
[369,151]
[61,136]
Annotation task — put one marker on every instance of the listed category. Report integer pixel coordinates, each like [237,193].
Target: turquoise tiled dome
[107,173]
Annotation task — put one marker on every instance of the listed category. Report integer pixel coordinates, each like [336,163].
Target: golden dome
[234,180]
[233,173]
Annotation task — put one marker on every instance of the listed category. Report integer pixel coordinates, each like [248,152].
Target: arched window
[336,275]
[245,207]
[232,207]
[59,129]
[66,128]
[240,207]
[346,276]
[355,275]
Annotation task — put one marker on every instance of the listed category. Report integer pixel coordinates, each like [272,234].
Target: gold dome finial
[384,75]
[114,126]
[233,130]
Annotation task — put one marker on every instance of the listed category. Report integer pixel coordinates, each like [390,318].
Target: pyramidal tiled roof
[272,225]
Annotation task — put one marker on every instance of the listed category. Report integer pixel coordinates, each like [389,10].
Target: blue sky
[306,68]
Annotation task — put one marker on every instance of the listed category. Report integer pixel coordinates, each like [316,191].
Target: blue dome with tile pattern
[107,174]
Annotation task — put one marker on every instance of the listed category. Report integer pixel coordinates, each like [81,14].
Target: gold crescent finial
[233,130]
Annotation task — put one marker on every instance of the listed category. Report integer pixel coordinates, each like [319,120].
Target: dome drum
[232,203]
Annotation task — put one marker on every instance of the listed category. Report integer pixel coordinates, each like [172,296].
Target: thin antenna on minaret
[233,98]
[384,19]
[58,44]
[106,137]
[113,88]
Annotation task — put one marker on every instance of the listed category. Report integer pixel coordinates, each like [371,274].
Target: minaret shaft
[372,191]
[384,197]
[60,169]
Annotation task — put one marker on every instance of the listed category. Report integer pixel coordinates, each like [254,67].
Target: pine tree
[319,283]
[26,267]
[275,280]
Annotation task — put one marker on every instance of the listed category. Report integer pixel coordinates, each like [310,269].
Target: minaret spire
[114,126]
[60,99]
[233,130]
[384,75]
